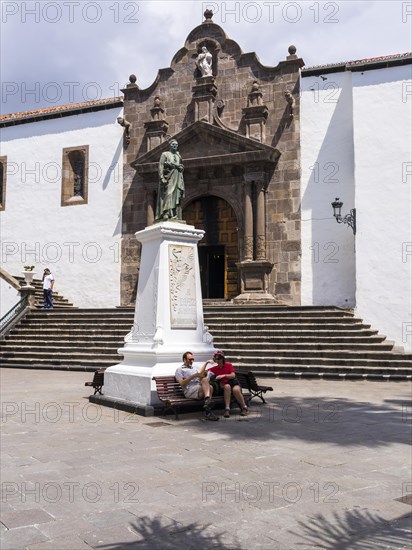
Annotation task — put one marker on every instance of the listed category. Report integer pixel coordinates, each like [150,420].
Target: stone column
[260,223]
[254,270]
[248,243]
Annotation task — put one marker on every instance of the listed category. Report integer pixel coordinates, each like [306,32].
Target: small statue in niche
[126,125]
[291,102]
[255,96]
[204,62]
[171,185]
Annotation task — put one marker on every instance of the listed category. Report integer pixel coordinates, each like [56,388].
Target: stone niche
[238,135]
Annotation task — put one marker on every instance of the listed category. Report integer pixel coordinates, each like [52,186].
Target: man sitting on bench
[194,383]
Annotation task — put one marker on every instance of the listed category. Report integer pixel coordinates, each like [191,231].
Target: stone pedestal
[29,291]
[168,316]
[254,282]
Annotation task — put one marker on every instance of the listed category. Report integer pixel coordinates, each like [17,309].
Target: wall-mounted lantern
[349,219]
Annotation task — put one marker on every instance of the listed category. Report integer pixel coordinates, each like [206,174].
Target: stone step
[296,327]
[39,314]
[250,354]
[261,309]
[268,332]
[342,373]
[277,320]
[290,337]
[274,361]
[77,357]
[71,334]
[291,368]
[60,363]
[55,350]
[230,347]
[80,339]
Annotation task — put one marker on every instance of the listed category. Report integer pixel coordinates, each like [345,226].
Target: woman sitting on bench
[225,374]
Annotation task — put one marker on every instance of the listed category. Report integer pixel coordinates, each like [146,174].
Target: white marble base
[168,316]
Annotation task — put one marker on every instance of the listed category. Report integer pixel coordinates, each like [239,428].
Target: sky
[69,51]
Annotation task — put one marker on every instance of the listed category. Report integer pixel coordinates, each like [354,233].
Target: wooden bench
[97,382]
[170,393]
[248,381]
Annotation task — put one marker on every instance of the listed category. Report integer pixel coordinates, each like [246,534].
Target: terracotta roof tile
[59,109]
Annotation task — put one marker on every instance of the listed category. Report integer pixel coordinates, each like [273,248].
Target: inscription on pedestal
[182,284]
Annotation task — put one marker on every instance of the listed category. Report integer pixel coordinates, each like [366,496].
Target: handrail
[12,281]
[13,315]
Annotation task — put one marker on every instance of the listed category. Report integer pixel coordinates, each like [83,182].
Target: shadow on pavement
[329,420]
[153,534]
[356,529]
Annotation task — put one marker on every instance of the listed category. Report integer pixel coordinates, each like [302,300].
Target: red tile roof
[62,109]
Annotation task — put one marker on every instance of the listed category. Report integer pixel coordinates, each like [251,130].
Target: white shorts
[193,392]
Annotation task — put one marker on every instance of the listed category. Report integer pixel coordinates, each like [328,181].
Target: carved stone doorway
[219,249]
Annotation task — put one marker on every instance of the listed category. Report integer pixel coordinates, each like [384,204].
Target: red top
[226,369]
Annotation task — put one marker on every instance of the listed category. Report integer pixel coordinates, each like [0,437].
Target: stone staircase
[326,342]
[73,339]
[323,342]
[58,300]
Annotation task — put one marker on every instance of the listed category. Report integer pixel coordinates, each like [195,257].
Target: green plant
[29,267]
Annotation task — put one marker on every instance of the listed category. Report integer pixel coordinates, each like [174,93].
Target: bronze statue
[171,185]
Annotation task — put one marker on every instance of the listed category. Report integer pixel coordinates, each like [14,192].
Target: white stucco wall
[328,248]
[360,124]
[80,244]
[382,109]
[9,297]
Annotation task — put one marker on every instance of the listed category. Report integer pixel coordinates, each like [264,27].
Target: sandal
[244,412]
[226,413]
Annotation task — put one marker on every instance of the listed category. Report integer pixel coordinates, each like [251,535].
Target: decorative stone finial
[208,15]
[292,50]
[132,81]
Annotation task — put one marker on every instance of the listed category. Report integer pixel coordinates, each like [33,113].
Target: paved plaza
[324,464]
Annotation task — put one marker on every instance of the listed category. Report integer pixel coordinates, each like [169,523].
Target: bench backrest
[243,379]
[253,385]
[98,378]
[166,386]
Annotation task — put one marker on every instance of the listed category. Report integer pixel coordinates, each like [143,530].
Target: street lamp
[349,219]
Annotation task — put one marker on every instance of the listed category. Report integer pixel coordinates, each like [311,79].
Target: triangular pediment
[202,143]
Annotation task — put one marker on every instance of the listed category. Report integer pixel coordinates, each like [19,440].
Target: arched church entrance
[218,250]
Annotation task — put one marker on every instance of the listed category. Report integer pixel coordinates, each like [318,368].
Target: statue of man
[204,62]
[171,185]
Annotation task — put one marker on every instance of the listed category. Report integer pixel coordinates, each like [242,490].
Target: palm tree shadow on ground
[155,534]
[358,529]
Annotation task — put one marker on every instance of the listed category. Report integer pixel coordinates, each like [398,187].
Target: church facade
[266,151]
